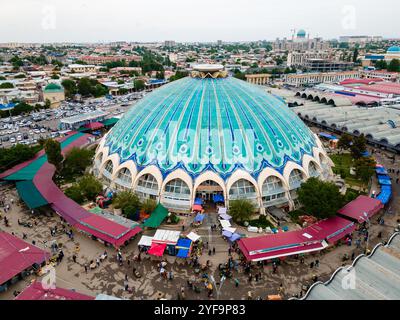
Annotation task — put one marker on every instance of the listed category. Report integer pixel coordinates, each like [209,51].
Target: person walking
[317,263]
[213,250]
[74,258]
[236,282]
[86,268]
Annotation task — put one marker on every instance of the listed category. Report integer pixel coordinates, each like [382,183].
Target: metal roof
[372,277]
[84,117]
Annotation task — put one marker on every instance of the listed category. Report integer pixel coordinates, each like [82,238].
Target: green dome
[301,33]
[210,124]
[53,87]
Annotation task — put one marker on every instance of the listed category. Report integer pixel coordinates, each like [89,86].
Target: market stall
[184,247]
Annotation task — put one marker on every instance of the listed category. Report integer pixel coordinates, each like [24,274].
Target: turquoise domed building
[394,50]
[301,33]
[210,135]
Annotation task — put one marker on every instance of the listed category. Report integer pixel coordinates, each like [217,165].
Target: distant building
[97,60]
[54,93]
[301,42]
[381,74]
[298,59]
[391,53]
[82,68]
[219,42]
[169,43]
[360,39]
[325,65]
[305,79]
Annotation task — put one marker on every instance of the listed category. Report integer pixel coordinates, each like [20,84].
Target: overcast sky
[192,20]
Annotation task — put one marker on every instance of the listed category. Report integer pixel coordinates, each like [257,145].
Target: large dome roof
[210,124]
[394,49]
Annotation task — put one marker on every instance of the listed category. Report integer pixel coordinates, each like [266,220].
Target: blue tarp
[227,234]
[225,217]
[183,253]
[385,195]
[381,170]
[234,237]
[327,135]
[199,217]
[198,201]
[218,198]
[365,154]
[384,180]
[8,106]
[183,243]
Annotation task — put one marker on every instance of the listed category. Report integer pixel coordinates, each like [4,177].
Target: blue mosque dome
[301,33]
[208,127]
[394,49]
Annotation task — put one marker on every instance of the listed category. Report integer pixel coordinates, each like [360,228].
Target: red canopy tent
[94,125]
[197,207]
[35,291]
[355,209]
[157,249]
[17,255]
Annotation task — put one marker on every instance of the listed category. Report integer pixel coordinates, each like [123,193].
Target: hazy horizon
[89,21]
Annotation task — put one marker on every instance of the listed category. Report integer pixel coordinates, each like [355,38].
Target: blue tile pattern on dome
[210,124]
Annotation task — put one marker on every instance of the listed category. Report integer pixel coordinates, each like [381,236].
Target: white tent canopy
[145,241]
[166,236]
[193,236]
[230,229]
[222,210]
[225,223]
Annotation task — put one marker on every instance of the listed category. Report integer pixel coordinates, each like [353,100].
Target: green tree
[355,55]
[76,161]
[394,65]
[358,147]
[149,205]
[55,76]
[75,193]
[178,75]
[53,152]
[16,154]
[241,209]
[381,65]
[345,141]
[365,169]
[6,85]
[90,187]
[139,85]
[84,87]
[47,104]
[70,87]
[320,199]
[128,202]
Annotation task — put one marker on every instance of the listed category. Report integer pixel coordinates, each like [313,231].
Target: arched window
[273,192]
[124,178]
[107,172]
[242,189]
[295,179]
[312,169]
[99,159]
[272,185]
[109,167]
[176,195]
[147,187]
[148,181]
[177,186]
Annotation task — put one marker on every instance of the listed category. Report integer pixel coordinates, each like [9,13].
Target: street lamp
[366,218]
[217,289]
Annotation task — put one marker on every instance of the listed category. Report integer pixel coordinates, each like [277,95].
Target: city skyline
[230,21]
